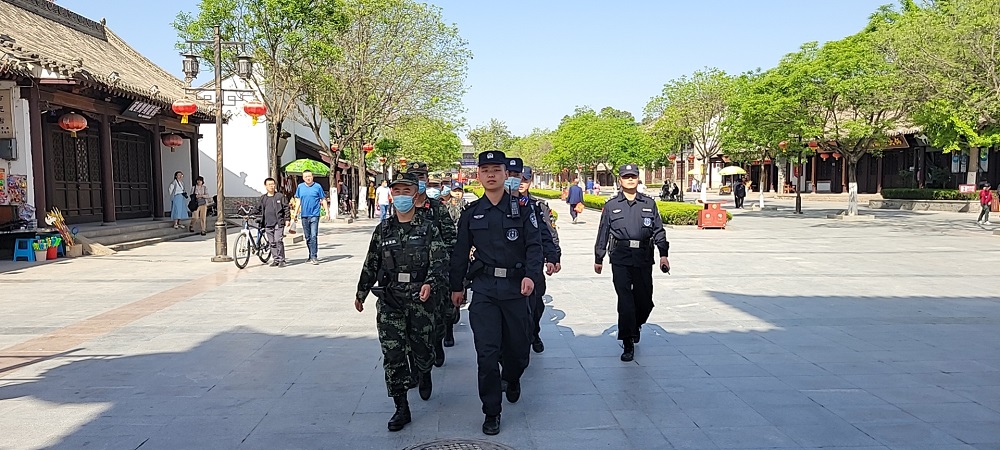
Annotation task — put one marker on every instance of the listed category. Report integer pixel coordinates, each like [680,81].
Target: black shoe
[629,353]
[491,426]
[438,354]
[538,346]
[281,264]
[637,332]
[273,264]
[514,391]
[449,336]
[202,233]
[425,386]
[402,415]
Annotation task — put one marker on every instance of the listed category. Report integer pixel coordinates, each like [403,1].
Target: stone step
[98,232]
[113,239]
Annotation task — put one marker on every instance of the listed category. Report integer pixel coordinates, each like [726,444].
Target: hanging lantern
[672,158]
[381,160]
[813,144]
[767,160]
[254,108]
[367,148]
[783,145]
[836,156]
[172,140]
[72,122]
[824,155]
[184,108]
[691,158]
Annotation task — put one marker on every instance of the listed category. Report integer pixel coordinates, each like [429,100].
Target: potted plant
[41,249]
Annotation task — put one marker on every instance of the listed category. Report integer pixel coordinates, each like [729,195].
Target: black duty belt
[504,272]
[630,243]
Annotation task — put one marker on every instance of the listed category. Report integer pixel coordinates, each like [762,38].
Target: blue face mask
[421,187]
[445,190]
[403,203]
[512,183]
[433,192]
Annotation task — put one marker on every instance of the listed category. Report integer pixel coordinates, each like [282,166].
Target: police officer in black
[630,227]
[550,246]
[508,251]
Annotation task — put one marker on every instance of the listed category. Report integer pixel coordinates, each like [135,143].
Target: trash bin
[713,216]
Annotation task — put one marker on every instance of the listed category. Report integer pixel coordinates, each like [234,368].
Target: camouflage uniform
[455,208]
[435,211]
[405,324]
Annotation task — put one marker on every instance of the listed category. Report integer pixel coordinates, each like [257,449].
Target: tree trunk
[273,163]
[852,183]
[704,189]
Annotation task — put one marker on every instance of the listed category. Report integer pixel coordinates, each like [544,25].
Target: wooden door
[76,175]
[133,177]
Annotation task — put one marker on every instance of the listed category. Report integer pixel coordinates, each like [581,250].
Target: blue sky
[535,61]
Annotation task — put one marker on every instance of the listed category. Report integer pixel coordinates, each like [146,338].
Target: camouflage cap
[417,167]
[404,178]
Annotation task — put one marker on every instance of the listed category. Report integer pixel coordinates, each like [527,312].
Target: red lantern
[254,109]
[813,144]
[184,108]
[691,158]
[72,122]
[836,156]
[824,155]
[172,140]
[767,160]
[783,145]
[672,158]
[381,160]
[367,148]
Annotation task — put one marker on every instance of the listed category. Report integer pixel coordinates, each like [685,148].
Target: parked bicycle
[250,241]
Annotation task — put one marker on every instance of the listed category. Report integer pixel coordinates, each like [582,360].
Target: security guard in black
[630,227]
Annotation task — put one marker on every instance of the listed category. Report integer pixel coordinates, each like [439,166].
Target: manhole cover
[459,444]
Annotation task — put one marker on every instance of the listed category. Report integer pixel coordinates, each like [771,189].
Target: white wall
[22,137]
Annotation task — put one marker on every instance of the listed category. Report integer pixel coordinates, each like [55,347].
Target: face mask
[403,203]
[421,187]
[512,184]
[433,192]
[445,191]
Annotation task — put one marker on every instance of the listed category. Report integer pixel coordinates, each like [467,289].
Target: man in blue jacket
[574,197]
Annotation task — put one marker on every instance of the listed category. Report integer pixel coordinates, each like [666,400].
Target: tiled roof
[38,32]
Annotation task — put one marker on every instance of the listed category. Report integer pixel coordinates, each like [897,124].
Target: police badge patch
[534,221]
[512,234]
[647,222]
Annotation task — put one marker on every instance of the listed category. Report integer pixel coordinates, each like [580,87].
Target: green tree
[947,59]
[532,148]
[695,107]
[589,139]
[491,136]
[433,141]
[282,36]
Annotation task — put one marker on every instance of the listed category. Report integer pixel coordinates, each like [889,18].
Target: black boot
[425,386]
[514,391]
[438,354]
[629,352]
[402,415]
[537,346]
[491,426]
[449,335]
[638,331]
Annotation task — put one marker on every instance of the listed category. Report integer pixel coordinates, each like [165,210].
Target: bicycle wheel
[241,251]
[264,249]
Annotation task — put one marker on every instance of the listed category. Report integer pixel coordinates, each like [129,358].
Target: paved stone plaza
[780,332]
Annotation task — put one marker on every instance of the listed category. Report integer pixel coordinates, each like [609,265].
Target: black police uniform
[550,251]
[508,249]
[630,229]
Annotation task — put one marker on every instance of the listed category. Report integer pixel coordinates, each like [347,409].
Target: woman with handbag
[178,204]
[199,199]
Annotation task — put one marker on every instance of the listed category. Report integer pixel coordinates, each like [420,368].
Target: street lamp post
[243,70]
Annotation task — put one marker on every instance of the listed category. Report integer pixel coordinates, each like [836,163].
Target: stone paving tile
[829,433]
[909,435]
[749,437]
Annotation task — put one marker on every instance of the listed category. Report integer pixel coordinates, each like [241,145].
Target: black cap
[404,178]
[515,165]
[628,169]
[417,167]
[526,173]
[492,157]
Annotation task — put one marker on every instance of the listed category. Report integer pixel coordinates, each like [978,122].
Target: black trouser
[634,285]
[371,208]
[739,201]
[537,307]
[499,326]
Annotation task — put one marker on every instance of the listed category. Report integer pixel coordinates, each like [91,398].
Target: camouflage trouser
[444,314]
[402,331]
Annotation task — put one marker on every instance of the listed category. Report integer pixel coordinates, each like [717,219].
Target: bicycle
[247,243]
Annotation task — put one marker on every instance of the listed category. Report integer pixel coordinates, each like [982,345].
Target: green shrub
[927,194]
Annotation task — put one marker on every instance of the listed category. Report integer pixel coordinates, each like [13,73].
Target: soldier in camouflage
[434,211]
[406,257]
[455,203]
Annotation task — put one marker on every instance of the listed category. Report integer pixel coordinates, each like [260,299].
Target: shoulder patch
[534,221]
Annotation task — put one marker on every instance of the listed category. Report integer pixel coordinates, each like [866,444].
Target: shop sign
[141,110]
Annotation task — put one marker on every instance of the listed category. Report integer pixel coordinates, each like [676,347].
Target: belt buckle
[500,272]
[633,244]
[403,278]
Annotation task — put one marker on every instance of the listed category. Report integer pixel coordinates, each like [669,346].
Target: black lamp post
[244,67]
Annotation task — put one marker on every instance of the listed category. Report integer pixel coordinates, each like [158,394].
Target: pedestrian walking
[551,252]
[406,257]
[575,199]
[739,193]
[985,202]
[630,227]
[310,196]
[434,211]
[508,249]
[178,200]
[371,199]
[382,196]
[199,192]
[274,213]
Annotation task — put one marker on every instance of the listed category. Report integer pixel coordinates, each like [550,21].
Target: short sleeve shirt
[310,197]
